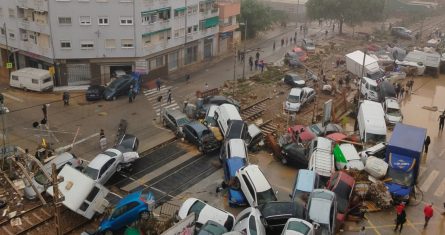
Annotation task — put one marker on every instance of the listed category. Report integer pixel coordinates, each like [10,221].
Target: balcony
[227,27]
[33,26]
[37,5]
[31,47]
[209,12]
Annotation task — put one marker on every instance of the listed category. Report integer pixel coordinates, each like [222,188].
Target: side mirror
[316,225]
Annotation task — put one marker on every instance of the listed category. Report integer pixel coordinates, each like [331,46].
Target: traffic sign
[9,65]
[51,70]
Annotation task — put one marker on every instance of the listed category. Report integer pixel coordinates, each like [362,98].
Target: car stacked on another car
[342,185]
[294,80]
[276,214]
[322,211]
[196,133]
[249,222]
[118,87]
[104,165]
[174,119]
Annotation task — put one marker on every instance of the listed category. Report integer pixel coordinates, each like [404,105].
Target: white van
[32,79]
[371,122]
[224,114]
[321,159]
[82,194]
[369,89]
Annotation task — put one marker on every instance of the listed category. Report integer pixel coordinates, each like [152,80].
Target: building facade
[87,40]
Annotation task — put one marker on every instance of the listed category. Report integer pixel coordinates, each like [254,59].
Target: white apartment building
[87,40]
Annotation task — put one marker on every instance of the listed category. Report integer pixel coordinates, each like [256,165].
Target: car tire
[283,160]
[144,215]
[119,168]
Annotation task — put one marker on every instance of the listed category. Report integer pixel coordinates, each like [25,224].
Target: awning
[147,13]
[211,22]
[155,32]
[180,9]
[164,9]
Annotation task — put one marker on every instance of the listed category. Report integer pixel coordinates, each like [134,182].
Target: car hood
[292,106]
[393,119]
[299,82]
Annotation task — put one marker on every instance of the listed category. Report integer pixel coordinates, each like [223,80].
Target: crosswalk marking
[441,189]
[421,171]
[429,181]
[152,96]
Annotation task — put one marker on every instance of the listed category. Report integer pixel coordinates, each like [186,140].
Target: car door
[107,171]
[131,214]
[248,191]
[186,132]
[195,136]
[171,122]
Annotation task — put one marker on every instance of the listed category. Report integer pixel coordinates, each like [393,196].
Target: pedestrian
[441,121]
[301,27]
[402,92]
[295,34]
[295,40]
[187,78]
[347,79]
[101,133]
[66,98]
[250,62]
[397,88]
[257,55]
[262,66]
[239,55]
[340,82]
[400,220]
[130,95]
[427,143]
[411,84]
[362,231]
[256,64]
[169,96]
[103,142]
[242,57]
[206,87]
[326,33]
[400,208]
[337,62]
[333,27]
[428,212]
[273,45]
[45,112]
[158,83]
[282,42]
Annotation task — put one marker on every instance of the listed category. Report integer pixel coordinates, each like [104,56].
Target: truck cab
[368,88]
[403,154]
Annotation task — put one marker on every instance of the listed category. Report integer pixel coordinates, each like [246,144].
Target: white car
[392,110]
[249,222]
[296,226]
[322,211]
[298,97]
[204,212]
[41,182]
[104,165]
[308,45]
[255,186]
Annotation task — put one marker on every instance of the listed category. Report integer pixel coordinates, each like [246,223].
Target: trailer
[354,64]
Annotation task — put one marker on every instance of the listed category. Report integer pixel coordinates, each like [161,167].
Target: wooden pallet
[371,206]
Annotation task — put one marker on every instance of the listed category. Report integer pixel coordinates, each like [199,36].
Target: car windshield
[110,154]
[115,84]
[298,227]
[295,78]
[375,138]
[41,178]
[342,191]
[293,99]
[266,196]
[91,172]
[197,207]
[182,121]
[309,44]
[393,112]
[401,177]
[212,229]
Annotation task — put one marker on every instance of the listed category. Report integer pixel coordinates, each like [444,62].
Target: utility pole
[57,199]
[244,53]
[361,78]
[7,49]
[234,73]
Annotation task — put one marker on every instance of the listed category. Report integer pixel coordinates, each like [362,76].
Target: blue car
[231,166]
[135,206]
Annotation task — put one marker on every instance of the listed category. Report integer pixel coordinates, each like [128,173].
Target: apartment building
[229,10]
[87,40]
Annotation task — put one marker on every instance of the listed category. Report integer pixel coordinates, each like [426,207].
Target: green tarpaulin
[180,9]
[338,155]
[155,32]
[211,22]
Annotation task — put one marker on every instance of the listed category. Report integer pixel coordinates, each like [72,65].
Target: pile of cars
[119,86]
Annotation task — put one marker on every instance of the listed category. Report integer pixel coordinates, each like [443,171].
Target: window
[15,77]
[65,44]
[126,21]
[102,20]
[151,18]
[192,9]
[86,45]
[85,20]
[127,43]
[35,81]
[2,31]
[189,30]
[11,13]
[110,43]
[195,28]
[65,20]
[156,63]
[12,35]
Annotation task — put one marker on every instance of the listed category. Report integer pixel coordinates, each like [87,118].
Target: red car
[304,134]
[342,185]
[302,55]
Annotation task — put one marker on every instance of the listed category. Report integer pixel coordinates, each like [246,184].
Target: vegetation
[259,17]
[351,12]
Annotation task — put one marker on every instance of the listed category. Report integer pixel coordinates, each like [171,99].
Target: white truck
[354,64]
[31,79]
[82,194]
[371,122]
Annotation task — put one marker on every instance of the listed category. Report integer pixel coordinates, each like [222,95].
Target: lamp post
[234,73]
[244,50]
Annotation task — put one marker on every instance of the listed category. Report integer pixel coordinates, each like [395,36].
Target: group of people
[400,220]
[259,64]
[286,41]
[401,90]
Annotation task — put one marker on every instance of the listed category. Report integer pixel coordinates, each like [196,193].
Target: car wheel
[119,168]
[145,215]
[114,98]
[284,160]
[25,89]
[108,232]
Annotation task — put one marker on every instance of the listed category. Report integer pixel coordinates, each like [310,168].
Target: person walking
[130,95]
[428,212]
[169,96]
[45,112]
[282,42]
[101,133]
[250,62]
[411,84]
[206,87]
[187,78]
[400,220]
[66,98]
[273,47]
[256,64]
[441,121]
[257,55]
[427,143]
[102,140]
[158,84]
[397,88]
[402,92]
[262,66]
[326,33]
[295,40]
[362,231]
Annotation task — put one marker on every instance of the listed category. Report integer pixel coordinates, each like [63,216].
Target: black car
[276,214]
[196,133]
[94,92]
[294,80]
[238,129]
[295,154]
[128,143]
[118,87]
[402,32]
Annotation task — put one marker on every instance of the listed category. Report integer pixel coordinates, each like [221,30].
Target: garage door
[78,74]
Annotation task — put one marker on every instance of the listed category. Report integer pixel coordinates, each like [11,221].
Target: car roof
[392,103]
[296,221]
[99,161]
[295,91]
[305,180]
[318,206]
[129,198]
[258,179]
[175,113]
[234,164]
[197,126]
[235,150]
[307,89]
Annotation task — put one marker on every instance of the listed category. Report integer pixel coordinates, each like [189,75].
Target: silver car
[298,97]
[41,182]
[322,211]
[104,165]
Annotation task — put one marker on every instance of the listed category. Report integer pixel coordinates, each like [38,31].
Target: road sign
[9,65]
[52,70]
[327,110]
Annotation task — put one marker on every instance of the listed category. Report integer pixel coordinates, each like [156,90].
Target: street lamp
[244,51]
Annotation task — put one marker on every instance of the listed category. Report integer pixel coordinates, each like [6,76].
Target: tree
[258,16]
[351,12]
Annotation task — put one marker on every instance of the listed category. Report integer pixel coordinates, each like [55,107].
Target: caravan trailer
[32,79]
